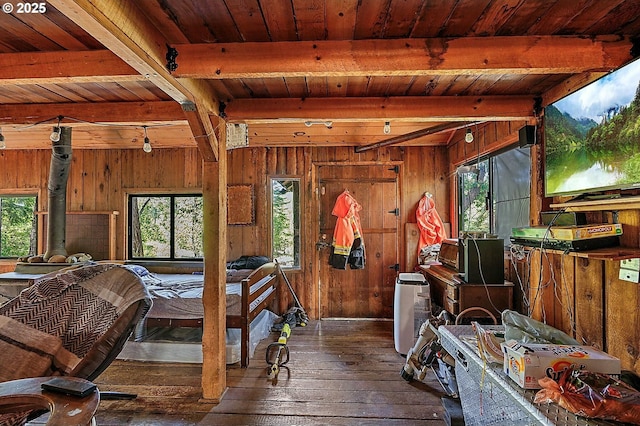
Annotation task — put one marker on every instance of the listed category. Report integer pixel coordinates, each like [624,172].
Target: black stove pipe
[57,189]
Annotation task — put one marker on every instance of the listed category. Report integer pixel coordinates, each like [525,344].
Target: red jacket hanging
[429,223]
[348,246]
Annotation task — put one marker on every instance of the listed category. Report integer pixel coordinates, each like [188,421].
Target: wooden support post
[214,192]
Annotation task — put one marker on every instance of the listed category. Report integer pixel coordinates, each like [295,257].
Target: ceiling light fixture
[55,133]
[387,127]
[468,137]
[310,123]
[146,146]
[3,145]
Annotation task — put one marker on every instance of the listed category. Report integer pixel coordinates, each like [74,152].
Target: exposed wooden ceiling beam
[440,56]
[112,112]
[282,111]
[178,135]
[64,67]
[123,29]
[413,135]
[86,136]
[338,134]
[409,108]
[497,55]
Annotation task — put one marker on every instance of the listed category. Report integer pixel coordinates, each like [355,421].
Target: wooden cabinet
[454,295]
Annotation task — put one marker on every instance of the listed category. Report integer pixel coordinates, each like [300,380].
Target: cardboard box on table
[526,363]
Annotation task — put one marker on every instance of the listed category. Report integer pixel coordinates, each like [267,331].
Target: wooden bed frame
[253,289]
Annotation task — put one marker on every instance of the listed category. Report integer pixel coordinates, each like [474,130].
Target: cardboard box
[525,364]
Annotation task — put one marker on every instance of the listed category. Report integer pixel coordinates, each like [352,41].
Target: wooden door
[368,292]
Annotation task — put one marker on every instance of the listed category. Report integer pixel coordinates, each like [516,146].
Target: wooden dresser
[453,294]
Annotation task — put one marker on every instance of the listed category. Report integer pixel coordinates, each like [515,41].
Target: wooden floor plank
[340,372]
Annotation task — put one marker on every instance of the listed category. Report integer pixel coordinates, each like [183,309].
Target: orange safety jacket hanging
[348,245]
[429,223]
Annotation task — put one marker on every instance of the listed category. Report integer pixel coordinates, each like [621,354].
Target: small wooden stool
[65,410]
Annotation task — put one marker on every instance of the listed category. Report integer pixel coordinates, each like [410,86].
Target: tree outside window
[165,226]
[18,226]
[285,221]
[474,192]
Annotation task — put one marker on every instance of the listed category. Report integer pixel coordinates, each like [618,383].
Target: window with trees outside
[18,226]
[285,221]
[494,193]
[167,227]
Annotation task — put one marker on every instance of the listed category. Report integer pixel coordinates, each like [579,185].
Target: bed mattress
[179,296]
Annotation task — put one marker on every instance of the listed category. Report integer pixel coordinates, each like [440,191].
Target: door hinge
[395,168]
[395,267]
[395,211]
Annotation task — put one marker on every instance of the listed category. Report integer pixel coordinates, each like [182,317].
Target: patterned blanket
[31,353]
[62,315]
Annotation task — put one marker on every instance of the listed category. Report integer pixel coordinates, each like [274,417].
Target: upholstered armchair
[69,323]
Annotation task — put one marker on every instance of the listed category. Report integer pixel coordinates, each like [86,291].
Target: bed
[177,300]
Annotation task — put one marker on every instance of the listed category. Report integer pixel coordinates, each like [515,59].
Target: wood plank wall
[100,180]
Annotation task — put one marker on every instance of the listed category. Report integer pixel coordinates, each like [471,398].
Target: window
[18,226]
[285,221]
[473,188]
[165,227]
[494,193]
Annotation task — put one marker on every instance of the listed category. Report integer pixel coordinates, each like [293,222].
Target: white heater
[411,308]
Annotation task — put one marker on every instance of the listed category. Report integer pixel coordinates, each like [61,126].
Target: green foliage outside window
[18,226]
[474,190]
[166,227]
[285,218]
[189,227]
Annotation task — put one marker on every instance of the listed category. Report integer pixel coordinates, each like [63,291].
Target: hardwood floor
[340,372]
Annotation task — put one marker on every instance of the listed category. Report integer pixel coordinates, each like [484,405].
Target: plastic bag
[592,395]
[527,330]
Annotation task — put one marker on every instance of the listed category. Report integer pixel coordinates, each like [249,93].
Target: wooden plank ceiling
[344,66]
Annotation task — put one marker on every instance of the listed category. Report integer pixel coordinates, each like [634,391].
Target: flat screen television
[592,137]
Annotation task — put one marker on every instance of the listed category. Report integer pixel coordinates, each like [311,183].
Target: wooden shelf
[609,253]
[623,203]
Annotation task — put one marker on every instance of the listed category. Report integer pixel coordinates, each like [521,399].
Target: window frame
[300,217]
[490,198]
[488,201]
[172,242]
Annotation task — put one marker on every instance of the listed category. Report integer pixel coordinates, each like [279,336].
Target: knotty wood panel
[589,295]
[565,294]
[411,239]
[555,304]
[622,302]
[75,185]
[541,296]
[92,183]
[570,292]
